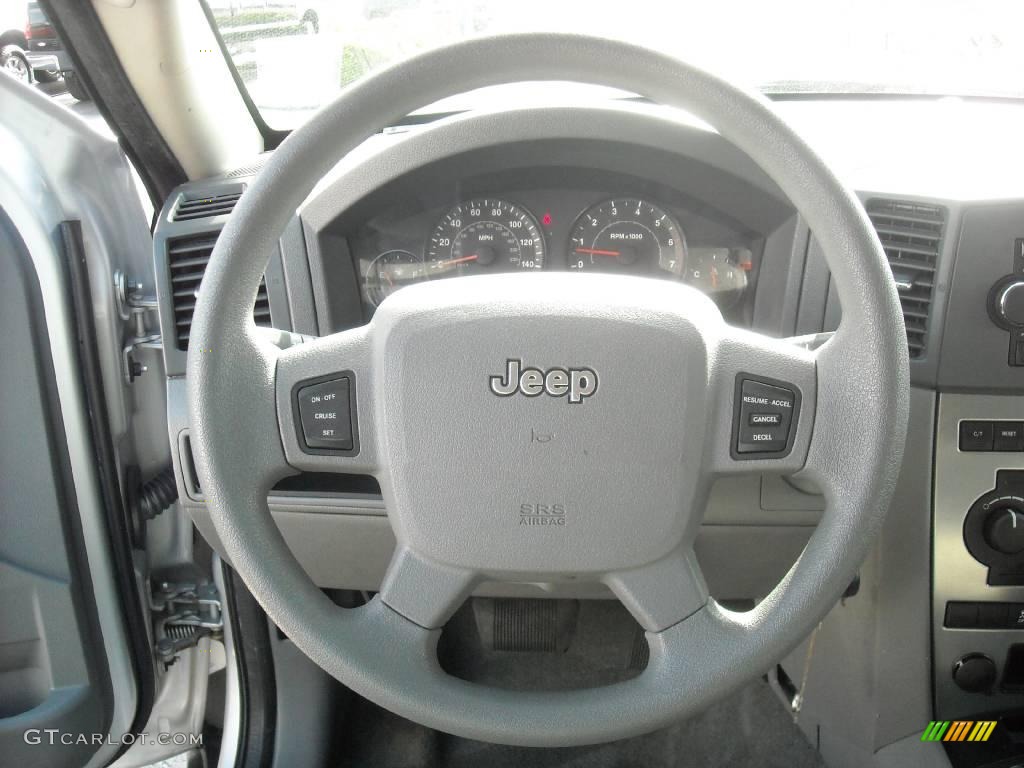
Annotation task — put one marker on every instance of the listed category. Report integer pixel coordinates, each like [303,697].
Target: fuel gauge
[390,271]
[721,273]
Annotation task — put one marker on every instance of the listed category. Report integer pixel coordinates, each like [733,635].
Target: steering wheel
[651,397]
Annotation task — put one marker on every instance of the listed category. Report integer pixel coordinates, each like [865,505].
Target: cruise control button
[325,415]
[765,417]
[758,395]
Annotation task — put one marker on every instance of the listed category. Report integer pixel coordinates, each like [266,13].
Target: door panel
[52,670]
[71,671]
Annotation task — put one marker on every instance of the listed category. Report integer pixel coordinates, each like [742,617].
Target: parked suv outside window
[31,50]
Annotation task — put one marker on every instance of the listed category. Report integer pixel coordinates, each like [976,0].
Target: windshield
[293,57]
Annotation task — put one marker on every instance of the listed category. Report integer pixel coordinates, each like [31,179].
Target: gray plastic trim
[232,721]
[778,292]
[352,551]
[385,158]
[306,708]
[814,292]
[298,284]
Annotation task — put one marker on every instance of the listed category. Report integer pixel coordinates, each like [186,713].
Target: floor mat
[751,728]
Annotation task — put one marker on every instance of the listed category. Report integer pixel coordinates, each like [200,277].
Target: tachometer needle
[598,252]
[460,260]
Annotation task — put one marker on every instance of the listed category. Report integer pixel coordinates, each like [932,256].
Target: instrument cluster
[621,235]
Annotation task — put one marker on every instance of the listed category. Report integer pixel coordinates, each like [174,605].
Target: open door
[75,669]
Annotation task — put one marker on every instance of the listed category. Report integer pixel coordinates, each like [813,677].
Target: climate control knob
[1004,530]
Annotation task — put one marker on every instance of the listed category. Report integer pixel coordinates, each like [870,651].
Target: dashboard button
[961,615]
[1015,616]
[976,435]
[1008,436]
[992,615]
[975,673]
[325,415]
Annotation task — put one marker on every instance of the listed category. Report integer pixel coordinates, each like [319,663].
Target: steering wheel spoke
[324,404]
[423,591]
[662,593]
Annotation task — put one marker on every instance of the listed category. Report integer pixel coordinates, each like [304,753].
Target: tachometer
[630,236]
[484,235]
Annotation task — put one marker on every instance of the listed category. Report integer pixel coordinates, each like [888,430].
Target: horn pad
[542,425]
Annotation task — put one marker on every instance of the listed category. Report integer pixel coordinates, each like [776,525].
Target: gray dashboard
[947,251]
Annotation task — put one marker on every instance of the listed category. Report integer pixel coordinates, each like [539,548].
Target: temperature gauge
[721,273]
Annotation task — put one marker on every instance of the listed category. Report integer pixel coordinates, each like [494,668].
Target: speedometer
[627,235]
[484,235]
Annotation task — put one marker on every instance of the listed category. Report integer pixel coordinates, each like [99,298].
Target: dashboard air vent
[911,234]
[190,208]
[187,259]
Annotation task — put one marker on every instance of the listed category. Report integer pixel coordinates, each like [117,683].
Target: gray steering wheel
[640,379]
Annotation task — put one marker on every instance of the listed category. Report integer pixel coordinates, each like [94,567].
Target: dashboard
[565,192]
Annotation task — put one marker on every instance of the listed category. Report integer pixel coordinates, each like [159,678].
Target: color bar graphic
[958,730]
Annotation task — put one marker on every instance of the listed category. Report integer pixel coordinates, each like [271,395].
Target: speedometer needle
[598,252]
[460,260]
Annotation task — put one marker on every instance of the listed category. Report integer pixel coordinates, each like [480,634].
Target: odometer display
[630,236]
[485,235]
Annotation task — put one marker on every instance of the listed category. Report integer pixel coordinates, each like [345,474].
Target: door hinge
[184,614]
[134,307]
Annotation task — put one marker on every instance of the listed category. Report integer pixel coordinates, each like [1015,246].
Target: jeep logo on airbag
[577,383]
